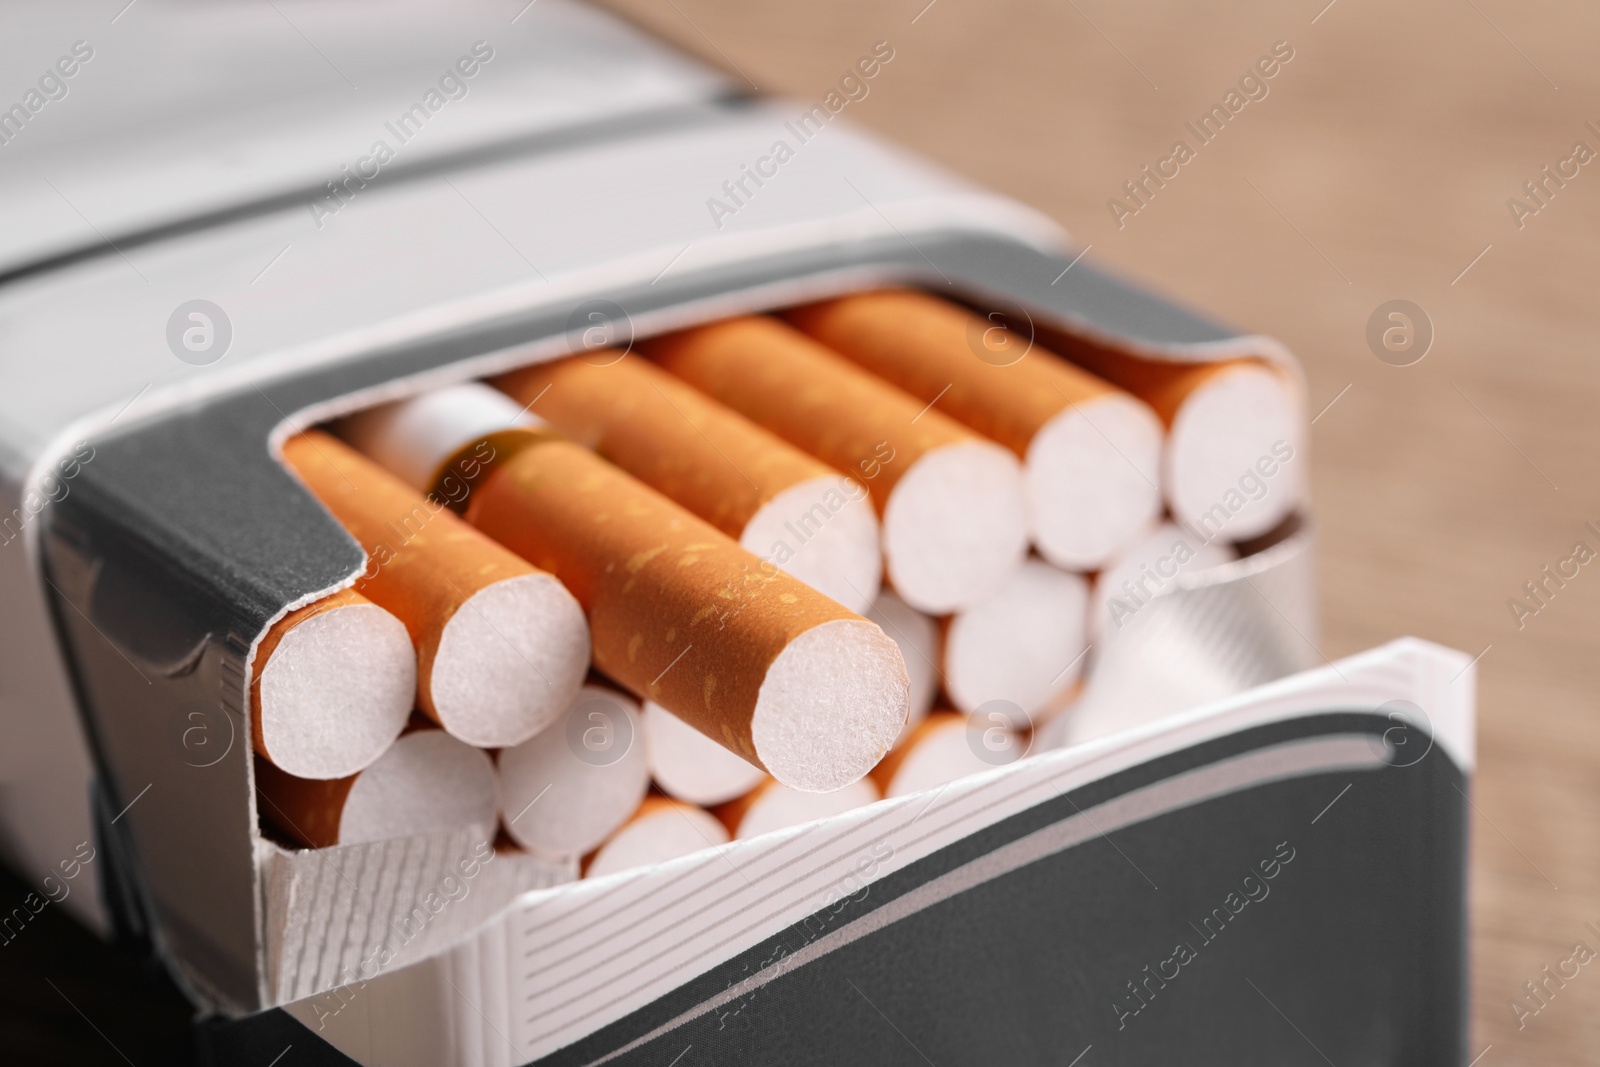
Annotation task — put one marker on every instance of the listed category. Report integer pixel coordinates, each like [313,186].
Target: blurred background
[1381,165]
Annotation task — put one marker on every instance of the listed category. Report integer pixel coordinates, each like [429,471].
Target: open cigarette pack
[649,574]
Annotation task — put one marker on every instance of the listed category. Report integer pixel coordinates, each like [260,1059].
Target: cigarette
[689,766]
[773,806]
[426,782]
[501,647]
[1023,644]
[1234,429]
[678,613]
[566,789]
[662,829]
[951,504]
[332,687]
[918,637]
[1156,562]
[440,442]
[1091,452]
[775,500]
[938,752]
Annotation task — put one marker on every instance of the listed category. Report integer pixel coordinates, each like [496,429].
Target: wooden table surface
[1377,167]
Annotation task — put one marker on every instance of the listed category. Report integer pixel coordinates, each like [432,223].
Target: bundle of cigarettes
[627,605]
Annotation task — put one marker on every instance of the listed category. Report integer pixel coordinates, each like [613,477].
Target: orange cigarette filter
[1163,384]
[501,647]
[929,347]
[951,503]
[751,657]
[306,810]
[1091,450]
[737,476]
[1228,422]
[331,686]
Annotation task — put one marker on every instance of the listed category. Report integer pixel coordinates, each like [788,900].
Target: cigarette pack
[1264,859]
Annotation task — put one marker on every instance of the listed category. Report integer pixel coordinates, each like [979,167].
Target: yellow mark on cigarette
[637,561]
[634,644]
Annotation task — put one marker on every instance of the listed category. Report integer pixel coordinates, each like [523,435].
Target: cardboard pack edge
[1177,803]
